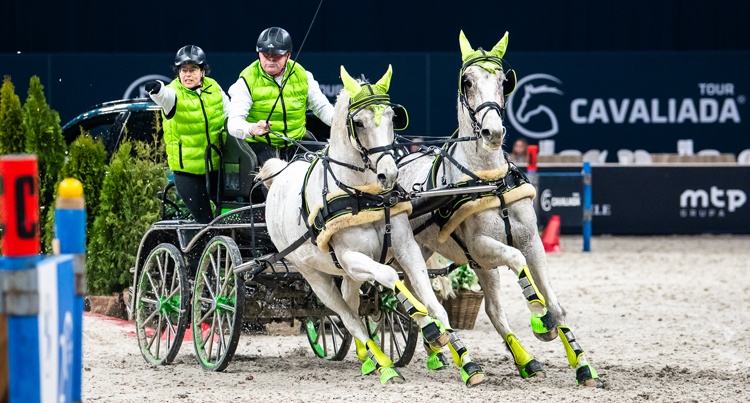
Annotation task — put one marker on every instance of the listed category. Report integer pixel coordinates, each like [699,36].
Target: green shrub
[12,139]
[87,159]
[129,205]
[43,138]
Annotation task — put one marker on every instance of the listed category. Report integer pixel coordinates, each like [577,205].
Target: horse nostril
[485,133]
[381,178]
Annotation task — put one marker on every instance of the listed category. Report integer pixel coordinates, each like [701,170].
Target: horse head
[483,86]
[368,128]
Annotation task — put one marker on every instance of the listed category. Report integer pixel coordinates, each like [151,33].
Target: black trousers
[192,190]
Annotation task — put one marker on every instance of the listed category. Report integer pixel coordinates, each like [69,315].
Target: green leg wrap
[374,359]
[368,365]
[390,374]
[528,287]
[411,304]
[435,333]
[435,360]
[382,363]
[471,373]
[542,324]
[526,364]
[584,373]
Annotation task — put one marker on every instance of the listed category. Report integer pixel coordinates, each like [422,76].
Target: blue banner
[594,100]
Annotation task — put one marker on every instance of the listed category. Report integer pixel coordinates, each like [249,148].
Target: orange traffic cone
[551,235]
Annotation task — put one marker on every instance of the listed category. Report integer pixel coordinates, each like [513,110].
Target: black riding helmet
[190,54]
[274,40]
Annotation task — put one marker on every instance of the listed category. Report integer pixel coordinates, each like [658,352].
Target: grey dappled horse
[349,205]
[496,228]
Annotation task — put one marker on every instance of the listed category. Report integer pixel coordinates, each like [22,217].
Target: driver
[273,94]
[193,111]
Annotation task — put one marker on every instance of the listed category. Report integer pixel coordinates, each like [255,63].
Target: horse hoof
[548,336]
[441,340]
[586,375]
[593,383]
[475,379]
[532,368]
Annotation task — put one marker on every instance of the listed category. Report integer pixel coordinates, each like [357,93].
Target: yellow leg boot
[526,364]
[433,331]
[471,373]
[383,364]
[585,374]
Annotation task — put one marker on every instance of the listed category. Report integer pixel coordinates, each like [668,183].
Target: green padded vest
[289,115]
[197,122]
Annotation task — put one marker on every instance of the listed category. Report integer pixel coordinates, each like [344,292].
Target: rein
[352,200]
[513,178]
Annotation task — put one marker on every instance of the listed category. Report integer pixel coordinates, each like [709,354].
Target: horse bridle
[358,106]
[489,105]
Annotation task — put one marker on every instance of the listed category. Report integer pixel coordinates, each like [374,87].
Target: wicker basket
[463,310]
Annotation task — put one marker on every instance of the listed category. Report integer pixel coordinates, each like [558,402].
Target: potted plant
[463,300]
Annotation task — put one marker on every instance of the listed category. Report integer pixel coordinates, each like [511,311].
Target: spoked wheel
[162,305]
[218,301]
[390,326]
[328,337]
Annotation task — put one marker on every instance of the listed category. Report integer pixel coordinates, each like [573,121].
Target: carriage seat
[239,165]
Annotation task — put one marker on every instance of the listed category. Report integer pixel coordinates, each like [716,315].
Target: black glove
[153,86]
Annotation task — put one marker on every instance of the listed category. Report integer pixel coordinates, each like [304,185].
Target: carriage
[219,279]
[211,278]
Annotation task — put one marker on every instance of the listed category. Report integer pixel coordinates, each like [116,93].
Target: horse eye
[466,83]
[359,124]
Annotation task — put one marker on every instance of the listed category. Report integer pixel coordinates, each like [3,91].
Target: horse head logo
[136,88]
[532,117]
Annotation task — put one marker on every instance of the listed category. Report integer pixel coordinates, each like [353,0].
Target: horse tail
[269,170]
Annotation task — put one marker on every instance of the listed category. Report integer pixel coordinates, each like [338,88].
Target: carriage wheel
[328,337]
[162,305]
[391,327]
[218,301]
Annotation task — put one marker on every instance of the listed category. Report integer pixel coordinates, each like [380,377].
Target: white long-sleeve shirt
[166,98]
[241,102]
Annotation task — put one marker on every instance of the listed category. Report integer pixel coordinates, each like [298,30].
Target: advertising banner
[671,200]
[591,100]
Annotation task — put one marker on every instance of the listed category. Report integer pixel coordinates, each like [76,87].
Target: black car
[110,120]
[137,117]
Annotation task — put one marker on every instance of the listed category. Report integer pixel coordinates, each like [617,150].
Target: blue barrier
[41,297]
[568,195]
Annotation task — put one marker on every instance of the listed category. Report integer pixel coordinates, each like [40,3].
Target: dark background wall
[622,74]
[372,25]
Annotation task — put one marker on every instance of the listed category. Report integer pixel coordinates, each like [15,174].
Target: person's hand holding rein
[261,128]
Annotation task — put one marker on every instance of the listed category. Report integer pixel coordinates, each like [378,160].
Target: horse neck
[473,156]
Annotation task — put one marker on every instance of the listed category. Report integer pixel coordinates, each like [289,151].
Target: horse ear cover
[509,85]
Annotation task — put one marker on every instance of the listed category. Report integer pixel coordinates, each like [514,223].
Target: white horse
[495,228]
[347,200]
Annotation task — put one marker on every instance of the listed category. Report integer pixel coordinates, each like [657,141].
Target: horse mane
[340,111]
[338,125]
[269,170]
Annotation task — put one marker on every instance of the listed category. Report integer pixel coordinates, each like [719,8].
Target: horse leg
[373,358]
[526,364]
[489,252]
[586,375]
[408,254]
[350,291]
[362,268]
